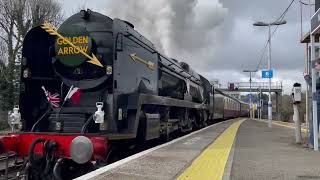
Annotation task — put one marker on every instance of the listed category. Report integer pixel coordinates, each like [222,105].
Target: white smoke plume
[187,30]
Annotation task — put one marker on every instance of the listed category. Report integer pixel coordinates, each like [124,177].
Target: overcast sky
[215,37]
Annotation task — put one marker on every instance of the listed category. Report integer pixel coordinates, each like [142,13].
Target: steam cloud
[187,30]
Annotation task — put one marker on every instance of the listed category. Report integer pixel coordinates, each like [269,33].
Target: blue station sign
[267,74]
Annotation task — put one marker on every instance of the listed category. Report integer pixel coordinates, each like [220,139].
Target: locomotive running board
[141,99]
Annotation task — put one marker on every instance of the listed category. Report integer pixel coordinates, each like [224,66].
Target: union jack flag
[52,98]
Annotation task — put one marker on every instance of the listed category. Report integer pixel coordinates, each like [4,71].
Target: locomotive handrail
[44,115]
[84,127]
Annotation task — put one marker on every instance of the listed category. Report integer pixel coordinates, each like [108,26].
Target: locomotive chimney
[86,14]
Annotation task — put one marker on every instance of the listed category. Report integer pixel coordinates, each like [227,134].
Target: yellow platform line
[212,161]
[283,124]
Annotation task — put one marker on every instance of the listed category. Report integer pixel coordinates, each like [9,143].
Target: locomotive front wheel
[113,155]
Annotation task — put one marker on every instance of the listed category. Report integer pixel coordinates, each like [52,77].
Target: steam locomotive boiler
[96,85]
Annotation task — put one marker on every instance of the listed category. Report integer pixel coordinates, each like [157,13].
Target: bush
[4,125]
[3,120]
[286,116]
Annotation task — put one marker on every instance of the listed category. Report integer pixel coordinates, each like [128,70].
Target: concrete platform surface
[165,162]
[234,149]
[262,153]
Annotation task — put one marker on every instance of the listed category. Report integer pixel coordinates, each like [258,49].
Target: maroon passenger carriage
[226,106]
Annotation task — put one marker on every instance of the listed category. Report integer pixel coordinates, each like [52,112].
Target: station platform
[233,149]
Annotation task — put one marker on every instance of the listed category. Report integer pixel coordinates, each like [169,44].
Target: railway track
[10,165]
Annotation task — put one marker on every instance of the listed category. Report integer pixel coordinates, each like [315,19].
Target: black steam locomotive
[95,85]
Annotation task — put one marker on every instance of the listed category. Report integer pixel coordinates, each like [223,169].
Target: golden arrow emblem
[149,64]
[54,32]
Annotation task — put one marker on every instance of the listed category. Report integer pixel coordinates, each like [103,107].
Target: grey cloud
[187,30]
[212,34]
[192,22]
[216,37]
[287,52]
[149,17]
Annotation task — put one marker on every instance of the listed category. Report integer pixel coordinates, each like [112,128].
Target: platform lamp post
[250,95]
[276,23]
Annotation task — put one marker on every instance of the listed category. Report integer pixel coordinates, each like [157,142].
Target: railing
[257,85]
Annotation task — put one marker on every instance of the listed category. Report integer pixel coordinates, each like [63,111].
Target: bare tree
[3,76]
[3,61]
[16,18]
[45,10]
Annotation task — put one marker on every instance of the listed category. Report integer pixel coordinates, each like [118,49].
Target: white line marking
[228,168]
[135,156]
[192,141]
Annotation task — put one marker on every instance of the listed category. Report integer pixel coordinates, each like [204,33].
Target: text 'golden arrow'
[149,64]
[53,31]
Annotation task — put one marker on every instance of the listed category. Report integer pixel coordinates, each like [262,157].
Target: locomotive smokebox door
[71,55]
